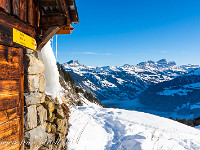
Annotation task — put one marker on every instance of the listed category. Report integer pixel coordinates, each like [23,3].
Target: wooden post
[47,36]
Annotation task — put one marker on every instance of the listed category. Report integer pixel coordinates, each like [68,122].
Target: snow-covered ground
[96,128]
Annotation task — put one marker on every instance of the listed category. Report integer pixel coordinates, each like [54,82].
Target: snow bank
[96,128]
[53,87]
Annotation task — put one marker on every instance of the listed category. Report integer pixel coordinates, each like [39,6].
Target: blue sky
[116,32]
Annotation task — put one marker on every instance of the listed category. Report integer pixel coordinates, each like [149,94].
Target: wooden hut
[23,23]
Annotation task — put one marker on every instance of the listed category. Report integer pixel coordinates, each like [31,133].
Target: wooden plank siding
[11,97]
[13,14]
[26,10]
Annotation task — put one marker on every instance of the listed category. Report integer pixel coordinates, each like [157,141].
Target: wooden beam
[62,4]
[74,16]
[48,3]
[7,23]
[47,36]
[50,20]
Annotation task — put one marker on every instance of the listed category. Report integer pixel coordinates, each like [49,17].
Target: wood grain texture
[6,5]
[32,13]
[9,115]
[64,6]
[9,94]
[15,7]
[9,134]
[11,143]
[51,20]
[47,3]
[11,97]
[9,62]
[23,10]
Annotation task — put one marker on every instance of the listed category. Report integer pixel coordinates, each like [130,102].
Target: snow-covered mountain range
[120,86]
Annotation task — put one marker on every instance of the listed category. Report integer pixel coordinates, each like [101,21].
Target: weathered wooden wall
[11,97]
[13,14]
[26,10]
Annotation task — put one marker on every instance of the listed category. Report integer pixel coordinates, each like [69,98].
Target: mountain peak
[72,62]
[162,61]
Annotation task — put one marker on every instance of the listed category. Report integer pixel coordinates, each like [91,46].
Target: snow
[53,87]
[96,128]
[197,127]
[106,83]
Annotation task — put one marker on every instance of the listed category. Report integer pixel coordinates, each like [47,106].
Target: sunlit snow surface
[96,128]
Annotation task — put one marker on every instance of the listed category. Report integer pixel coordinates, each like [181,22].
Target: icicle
[52,43]
[56,46]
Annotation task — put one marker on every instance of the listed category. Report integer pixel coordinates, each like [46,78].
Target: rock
[37,137]
[50,139]
[29,51]
[65,110]
[30,117]
[43,148]
[42,83]
[33,98]
[33,65]
[31,83]
[51,128]
[60,124]
[62,143]
[42,115]
[51,117]
[59,112]
[48,128]
[49,106]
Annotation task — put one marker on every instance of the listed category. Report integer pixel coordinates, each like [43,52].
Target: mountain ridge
[117,85]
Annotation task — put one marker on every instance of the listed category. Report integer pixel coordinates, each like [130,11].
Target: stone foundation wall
[45,121]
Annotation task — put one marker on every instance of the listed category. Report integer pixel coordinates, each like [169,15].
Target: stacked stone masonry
[45,120]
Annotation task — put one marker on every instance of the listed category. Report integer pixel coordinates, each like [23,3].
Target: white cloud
[90,53]
[163,51]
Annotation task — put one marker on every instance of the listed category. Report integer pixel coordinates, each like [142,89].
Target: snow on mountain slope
[96,128]
[180,96]
[124,82]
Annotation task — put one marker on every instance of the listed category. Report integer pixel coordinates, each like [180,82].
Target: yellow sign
[23,39]
[66,30]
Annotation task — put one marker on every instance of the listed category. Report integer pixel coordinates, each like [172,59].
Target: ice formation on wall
[53,87]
